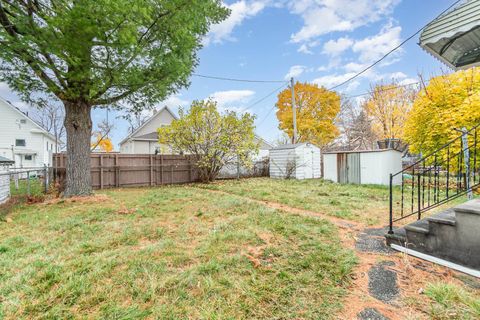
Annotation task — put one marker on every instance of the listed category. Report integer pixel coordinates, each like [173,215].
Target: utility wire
[237,80]
[382,90]
[391,51]
[265,97]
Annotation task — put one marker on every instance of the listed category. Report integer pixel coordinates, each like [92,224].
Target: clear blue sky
[321,41]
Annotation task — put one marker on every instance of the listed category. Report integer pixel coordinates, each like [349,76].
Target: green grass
[36,187]
[362,203]
[450,301]
[169,253]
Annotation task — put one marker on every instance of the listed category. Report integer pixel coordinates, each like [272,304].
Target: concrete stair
[453,235]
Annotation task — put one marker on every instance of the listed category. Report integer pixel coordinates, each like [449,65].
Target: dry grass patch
[169,253]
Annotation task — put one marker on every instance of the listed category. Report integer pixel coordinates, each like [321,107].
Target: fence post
[101,171]
[390,229]
[45,178]
[151,170]
[466,152]
[28,183]
[419,195]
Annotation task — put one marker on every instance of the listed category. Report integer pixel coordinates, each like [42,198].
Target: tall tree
[99,53]
[447,102]
[356,127]
[387,107]
[214,139]
[317,109]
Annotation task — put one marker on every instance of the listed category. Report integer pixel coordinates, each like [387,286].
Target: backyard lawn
[169,253]
[191,252]
[361,203]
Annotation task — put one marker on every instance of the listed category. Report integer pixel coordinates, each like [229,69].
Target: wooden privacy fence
[134,170]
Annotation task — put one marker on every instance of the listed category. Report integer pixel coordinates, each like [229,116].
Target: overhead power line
[391,51]
[382,90]
[265,97]
[237,80]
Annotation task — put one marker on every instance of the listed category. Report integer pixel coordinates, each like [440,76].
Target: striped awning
[454,37]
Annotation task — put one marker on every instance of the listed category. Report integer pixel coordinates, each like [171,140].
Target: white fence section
[4,187]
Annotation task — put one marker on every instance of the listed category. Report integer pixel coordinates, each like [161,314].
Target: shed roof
[292,146]
[454,37]
[361,151]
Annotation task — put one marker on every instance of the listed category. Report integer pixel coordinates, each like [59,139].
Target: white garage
[362,167]
[296,161]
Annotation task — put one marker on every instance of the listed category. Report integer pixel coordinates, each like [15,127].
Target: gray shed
[299,161]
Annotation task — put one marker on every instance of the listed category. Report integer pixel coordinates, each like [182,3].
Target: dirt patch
[97,198]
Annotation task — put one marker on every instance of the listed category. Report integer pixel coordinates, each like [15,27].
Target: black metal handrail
[439,177]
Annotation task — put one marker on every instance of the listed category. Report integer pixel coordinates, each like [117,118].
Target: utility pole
[294,109]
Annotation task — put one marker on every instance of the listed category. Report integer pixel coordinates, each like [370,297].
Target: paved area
[382,282]
[371,314]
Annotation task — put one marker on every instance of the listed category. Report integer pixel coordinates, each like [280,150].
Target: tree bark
[78,124]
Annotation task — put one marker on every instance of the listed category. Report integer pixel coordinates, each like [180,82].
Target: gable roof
[20,112]
[148,121]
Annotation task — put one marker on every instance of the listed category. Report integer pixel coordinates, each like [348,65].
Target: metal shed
[362,167]
[454,37]
[298,161]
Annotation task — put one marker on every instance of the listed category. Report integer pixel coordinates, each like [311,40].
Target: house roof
[131,135]
[42,130]
[267,144]
[454,37]
[148,136]
[4,160]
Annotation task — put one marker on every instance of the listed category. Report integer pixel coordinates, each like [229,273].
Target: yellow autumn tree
[103,143]
[317,109]
[447,102]
[387,108]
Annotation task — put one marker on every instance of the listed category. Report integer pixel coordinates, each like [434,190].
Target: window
[23,121]
[28,157]
[20,143]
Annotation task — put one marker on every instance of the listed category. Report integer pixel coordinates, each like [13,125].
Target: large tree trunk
[78,124]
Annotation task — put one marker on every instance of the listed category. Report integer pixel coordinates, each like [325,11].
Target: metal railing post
[28,183]
[419,195]
[390,229]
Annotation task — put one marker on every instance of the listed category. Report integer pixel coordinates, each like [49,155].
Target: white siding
[35,138]
[4,187]
[162,118]
[375,166]
[330,167]
[305,159]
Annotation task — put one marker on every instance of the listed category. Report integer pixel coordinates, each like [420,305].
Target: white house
[299,161]
[144,140]
[362,167]
[22,139]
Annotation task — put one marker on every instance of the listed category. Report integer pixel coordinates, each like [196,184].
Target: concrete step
[446,217]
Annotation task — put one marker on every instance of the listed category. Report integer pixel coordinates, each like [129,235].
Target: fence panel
[134,170]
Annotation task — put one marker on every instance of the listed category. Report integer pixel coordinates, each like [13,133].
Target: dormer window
[23,121]
[20,143]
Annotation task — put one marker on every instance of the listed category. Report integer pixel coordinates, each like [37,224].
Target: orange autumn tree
[317,109]
[387,108]
[103,143]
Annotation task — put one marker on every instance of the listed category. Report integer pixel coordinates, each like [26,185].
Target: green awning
[454,37]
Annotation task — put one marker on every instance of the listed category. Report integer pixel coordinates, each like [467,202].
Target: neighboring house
[22,139]
[144,140]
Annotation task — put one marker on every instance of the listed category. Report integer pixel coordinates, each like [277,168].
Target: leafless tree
[51,116]
[135,120]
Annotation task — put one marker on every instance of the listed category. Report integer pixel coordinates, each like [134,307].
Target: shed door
[342,168]
[353,168]
[308,168]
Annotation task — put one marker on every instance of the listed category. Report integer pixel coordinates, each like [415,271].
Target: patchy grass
[449,301]
[169,253]
[363,203]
